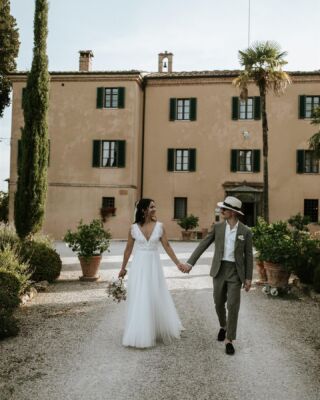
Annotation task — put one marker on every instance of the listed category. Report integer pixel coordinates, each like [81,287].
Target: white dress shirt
[229,242]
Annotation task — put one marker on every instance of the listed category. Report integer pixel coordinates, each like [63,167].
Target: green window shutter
[121,97]
[235,108]
[300,161]
[121,153]
[234,160]
[96,153]
[256,160]
[23,96]
[193,109]
[302,107]
[192,159]
[170,160]
[257,108]
[100,97]
[173,106]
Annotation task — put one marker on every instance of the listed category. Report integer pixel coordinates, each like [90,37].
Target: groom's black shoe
[221,335]
[229,349]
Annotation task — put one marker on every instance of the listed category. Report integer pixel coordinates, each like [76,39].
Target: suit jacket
[242,251]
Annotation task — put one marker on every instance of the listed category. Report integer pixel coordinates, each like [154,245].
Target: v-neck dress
[151,313]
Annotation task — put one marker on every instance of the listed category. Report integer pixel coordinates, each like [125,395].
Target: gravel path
[70,344]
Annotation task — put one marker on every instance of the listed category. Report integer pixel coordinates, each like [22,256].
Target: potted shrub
[89,241]
[277,250]
[258,233]
[188,222]
[105,212]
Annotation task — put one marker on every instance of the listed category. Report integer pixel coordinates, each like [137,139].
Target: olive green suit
[228,277]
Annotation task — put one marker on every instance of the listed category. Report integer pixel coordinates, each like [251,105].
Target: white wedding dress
[151,313]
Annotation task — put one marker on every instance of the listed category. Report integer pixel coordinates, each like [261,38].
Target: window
[183,109]
[245,160]
[181,160]
[307,162]
[307,105]
[110,97]
[246,109]
[108,202]
[180,207]
[108,153]
[311,207]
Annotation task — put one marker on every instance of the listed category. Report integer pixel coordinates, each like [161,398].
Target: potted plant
[89,241]
[258,233]
[188,222]
[106,211]
[277,250]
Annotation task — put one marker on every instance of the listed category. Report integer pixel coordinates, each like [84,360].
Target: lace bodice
[141,241]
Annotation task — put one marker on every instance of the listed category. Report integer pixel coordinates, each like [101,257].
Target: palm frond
[314,144]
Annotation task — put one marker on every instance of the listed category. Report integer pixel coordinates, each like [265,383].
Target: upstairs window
[307,163]
[180,207]
[183,109]
[307,104]
[245,160]
[246,109]
[108,153]
[110,97]
[181,160]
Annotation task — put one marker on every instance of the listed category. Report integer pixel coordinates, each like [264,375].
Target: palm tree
[314,141]
[263,62]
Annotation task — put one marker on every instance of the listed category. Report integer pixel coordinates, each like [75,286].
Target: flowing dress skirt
[151,313]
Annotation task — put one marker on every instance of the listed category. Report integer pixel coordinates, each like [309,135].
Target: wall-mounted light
[246,135]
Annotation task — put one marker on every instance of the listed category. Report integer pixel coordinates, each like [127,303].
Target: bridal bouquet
[117,290]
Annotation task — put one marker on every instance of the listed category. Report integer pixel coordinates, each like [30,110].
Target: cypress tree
[9,49]
[31,192]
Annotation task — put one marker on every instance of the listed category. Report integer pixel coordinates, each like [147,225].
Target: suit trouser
[227,289]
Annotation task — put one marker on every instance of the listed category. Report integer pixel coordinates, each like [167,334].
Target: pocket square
[240,237]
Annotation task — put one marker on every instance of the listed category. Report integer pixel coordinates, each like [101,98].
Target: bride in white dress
[151,313]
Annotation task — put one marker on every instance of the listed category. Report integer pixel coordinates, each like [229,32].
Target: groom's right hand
[185,268]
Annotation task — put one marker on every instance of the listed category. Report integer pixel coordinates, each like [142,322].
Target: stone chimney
[85,63]
[165,62]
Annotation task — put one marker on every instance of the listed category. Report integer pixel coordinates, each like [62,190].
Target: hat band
[231,206]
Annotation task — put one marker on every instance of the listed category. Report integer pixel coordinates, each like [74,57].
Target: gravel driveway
[70,344]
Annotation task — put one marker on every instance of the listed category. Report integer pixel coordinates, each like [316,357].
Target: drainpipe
[144,91]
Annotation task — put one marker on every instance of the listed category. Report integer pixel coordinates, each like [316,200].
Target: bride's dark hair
[142,206]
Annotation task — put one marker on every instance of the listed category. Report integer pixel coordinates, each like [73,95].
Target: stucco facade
[145,124]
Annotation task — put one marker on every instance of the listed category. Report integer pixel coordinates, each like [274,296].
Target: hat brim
[222,205]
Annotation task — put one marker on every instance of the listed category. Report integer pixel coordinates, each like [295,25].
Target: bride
[151,314]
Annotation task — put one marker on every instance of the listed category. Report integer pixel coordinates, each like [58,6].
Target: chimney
[85,62]
[165,62]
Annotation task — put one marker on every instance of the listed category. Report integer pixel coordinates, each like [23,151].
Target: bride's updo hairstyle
[142,207]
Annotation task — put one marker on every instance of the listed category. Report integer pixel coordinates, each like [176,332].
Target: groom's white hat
[231,203]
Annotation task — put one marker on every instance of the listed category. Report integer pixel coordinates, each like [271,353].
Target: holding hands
[185,268]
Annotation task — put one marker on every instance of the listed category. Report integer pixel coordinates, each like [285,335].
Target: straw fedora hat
[231,203]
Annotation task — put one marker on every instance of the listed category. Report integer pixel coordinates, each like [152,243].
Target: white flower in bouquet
[117,290]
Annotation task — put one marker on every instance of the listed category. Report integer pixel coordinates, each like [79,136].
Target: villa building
[184,139]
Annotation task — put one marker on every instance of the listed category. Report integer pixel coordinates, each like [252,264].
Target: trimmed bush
[316,279]
[10,262]
[9,300]
[45,262]
[9,291]
[8,325]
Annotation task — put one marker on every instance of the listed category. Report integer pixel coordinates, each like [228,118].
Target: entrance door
[248,210]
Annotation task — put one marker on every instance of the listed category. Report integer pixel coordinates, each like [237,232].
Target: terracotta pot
[90,267]
[186,235]
[277,275]
[261,272]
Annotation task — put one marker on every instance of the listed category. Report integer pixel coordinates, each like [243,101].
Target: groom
[231,266]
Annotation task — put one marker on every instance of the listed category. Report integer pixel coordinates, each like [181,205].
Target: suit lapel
[240,231]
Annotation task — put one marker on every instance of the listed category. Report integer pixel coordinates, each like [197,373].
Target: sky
[129,34]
